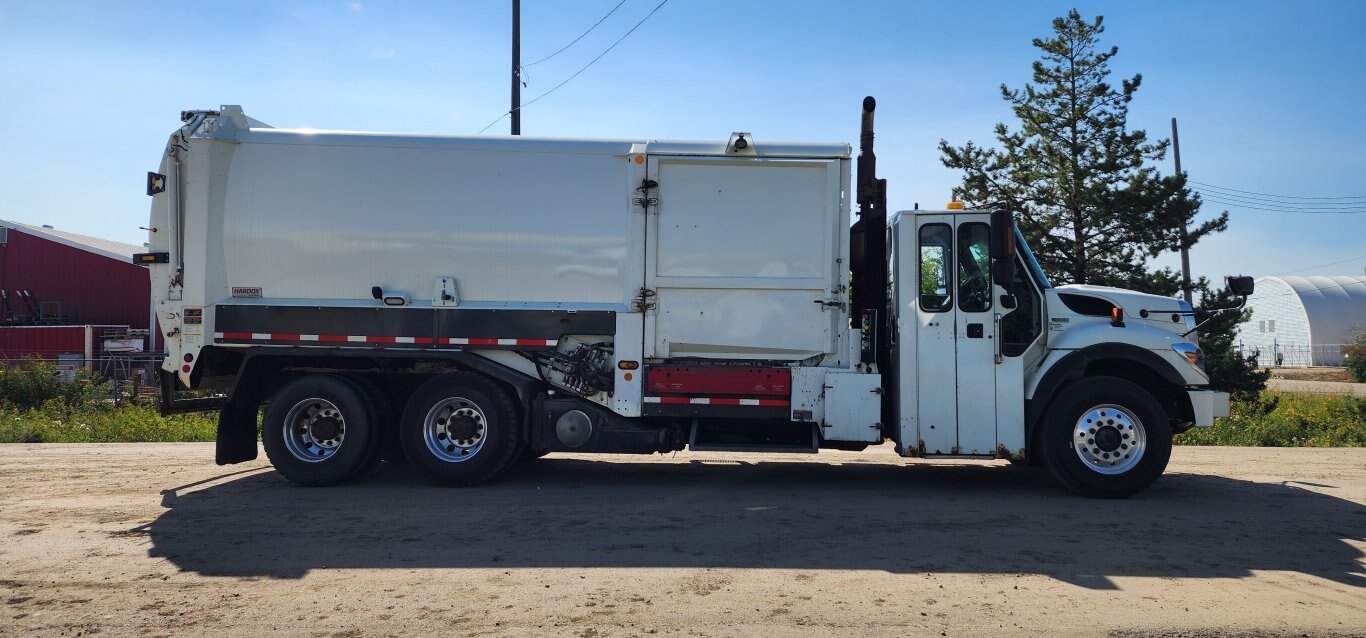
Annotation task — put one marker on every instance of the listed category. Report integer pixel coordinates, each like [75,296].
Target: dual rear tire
[460,429]
[321,429]
[457,429]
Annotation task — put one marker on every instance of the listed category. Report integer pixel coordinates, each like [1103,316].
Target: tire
[319,430]
[387,416]
[1106,437]
[460,429]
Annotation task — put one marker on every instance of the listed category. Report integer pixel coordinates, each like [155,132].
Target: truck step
[782,438]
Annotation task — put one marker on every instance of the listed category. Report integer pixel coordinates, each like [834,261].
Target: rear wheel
[1106,437]
[319,430]
[460,429]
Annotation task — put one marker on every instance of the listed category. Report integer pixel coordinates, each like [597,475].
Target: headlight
[1192,354]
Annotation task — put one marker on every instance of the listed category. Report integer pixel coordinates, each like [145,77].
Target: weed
[1285,419]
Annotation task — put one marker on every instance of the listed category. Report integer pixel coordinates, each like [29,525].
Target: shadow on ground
[798,515]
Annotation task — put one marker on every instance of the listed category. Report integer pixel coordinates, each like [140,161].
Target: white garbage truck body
[467,301]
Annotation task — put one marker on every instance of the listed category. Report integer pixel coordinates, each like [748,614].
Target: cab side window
[936,259]
[1023,325]
[974,267]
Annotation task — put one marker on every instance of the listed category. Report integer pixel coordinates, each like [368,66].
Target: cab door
[955,335]
[936,322]
[975,337]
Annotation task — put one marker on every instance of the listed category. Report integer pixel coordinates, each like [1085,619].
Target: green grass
[1287,419]
[55,423]
[38,404]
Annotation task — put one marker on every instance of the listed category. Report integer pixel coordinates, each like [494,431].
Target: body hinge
[645,201]
[644,300]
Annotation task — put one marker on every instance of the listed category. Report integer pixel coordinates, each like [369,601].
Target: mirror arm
[1214,313]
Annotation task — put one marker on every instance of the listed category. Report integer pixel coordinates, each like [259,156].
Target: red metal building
[52,277]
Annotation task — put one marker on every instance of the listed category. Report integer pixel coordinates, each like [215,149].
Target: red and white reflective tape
[459,341]
[708,401]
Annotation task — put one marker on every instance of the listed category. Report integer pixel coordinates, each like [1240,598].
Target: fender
[1073,366]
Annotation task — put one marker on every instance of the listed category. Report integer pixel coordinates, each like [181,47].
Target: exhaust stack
[868,248]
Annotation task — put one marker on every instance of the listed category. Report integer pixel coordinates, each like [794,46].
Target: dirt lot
[1312,374]
[155,540]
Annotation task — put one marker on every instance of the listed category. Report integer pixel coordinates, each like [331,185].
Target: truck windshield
[1030,261]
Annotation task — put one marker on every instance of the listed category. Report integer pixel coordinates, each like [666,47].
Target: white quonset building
[1303,320]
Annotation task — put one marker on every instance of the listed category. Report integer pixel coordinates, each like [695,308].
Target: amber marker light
[628,365]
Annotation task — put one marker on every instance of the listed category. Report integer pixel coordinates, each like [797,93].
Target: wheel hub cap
[325,428]
[1109,439]
[455,430]
[314,430]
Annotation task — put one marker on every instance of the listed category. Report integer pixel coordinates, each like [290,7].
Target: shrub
[1283,419]
[33,384]
[129,423]
[1356,357]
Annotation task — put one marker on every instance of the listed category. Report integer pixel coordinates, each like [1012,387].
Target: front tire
[319,430]
[460,429]
[1106,437]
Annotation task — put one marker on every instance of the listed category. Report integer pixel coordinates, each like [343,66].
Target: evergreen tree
[1088,199]
[1086,194]
[1228,372]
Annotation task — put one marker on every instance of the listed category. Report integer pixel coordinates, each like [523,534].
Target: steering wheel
[976,288]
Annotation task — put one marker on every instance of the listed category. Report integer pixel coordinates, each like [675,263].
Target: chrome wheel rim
[455,430]
[1109,439]
[314,430]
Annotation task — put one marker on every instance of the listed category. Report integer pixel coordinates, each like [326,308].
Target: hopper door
[742,257]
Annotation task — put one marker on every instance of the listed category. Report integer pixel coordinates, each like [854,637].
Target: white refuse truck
[466,302]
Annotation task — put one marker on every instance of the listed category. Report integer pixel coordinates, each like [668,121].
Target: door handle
[975,331]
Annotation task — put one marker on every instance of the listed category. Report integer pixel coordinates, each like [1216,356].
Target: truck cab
[1097,378]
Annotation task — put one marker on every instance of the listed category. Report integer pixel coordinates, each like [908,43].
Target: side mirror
[1003,248]
[1003,272]
[1002,235]
[1240,285]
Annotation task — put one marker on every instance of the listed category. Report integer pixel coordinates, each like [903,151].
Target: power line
[1283,209]
[1237,204]
[581,70]
[1225,188]
[1273,202]
[1290,272]
[575,40]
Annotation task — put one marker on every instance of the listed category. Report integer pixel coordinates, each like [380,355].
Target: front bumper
[1208,405]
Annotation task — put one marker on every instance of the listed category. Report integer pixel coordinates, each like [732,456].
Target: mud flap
[237,426]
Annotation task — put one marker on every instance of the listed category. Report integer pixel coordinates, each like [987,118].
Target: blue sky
[1269,95]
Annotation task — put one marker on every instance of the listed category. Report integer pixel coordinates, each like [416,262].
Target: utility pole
[517,68]
[1185,250]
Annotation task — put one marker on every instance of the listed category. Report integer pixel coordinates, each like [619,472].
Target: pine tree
[1228,372]
[1087,197]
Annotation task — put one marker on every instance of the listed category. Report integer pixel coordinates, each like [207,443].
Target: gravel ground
[155,540]
[1311,374]
[1317,387]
